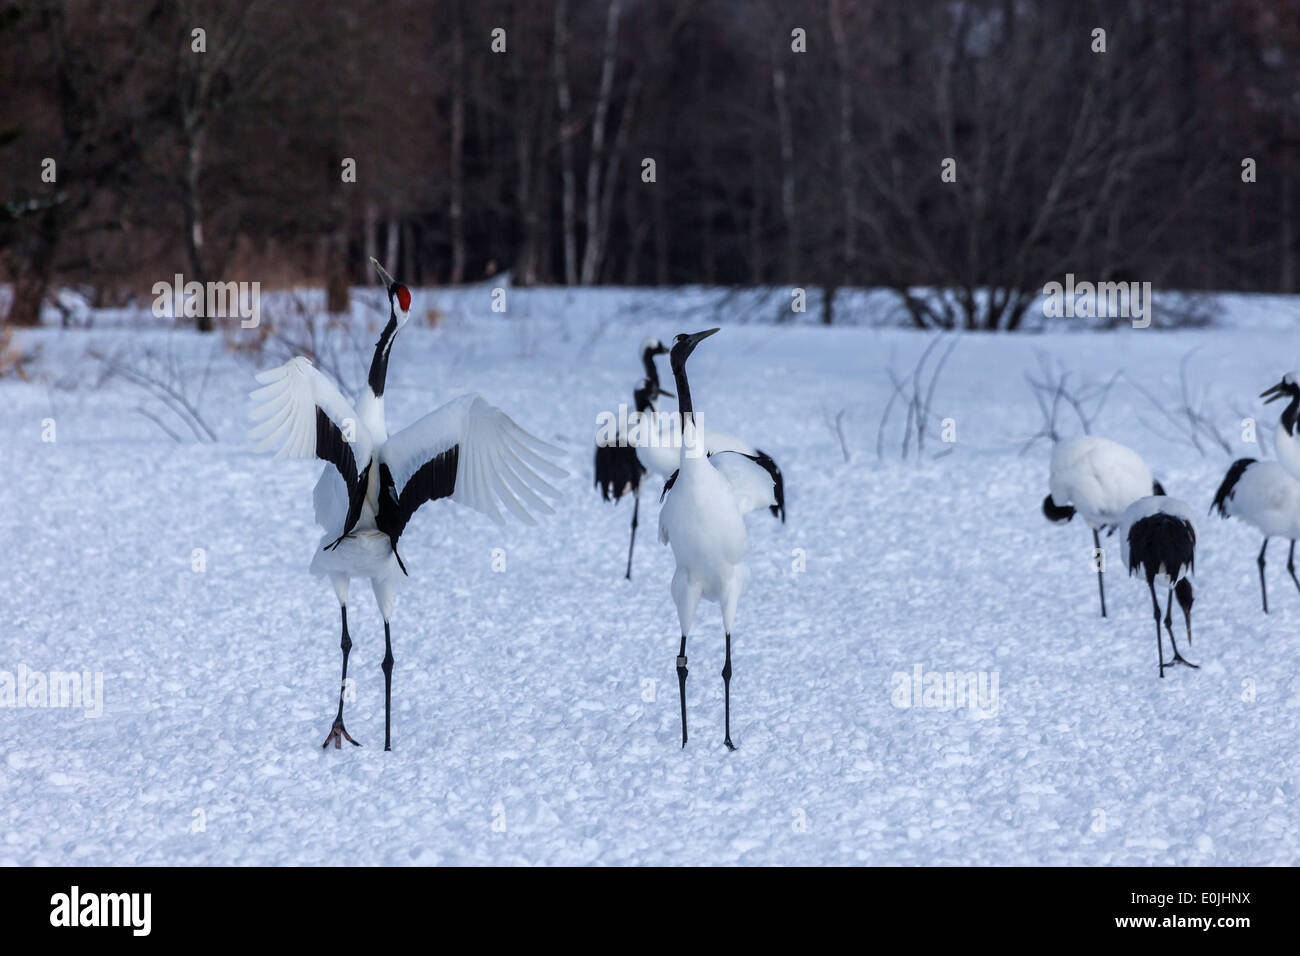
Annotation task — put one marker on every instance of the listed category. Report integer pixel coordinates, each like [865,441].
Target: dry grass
[13,360]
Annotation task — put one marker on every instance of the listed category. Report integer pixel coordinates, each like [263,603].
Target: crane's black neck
[643,399]
[683,394]
[379,364]
[1289,415]
[651,372]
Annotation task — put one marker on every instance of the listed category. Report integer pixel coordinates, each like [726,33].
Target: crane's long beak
[1274,393]
[664,391]
[699,337]
[383,273]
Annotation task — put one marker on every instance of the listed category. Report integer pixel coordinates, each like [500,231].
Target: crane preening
[703,519]
[467,451]
[1097,478]
[652,443]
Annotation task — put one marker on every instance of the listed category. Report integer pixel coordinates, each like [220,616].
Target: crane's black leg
[1187,614]
[1169,614]
[1097,552]
[726,696]
[1160,642]
[339,733]
[388,688]
[681,684]
[1260,561]
[1290,565]
[1183,590]
[636,506]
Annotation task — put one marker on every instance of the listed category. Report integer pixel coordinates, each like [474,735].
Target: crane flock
[1112,488]
[472,453]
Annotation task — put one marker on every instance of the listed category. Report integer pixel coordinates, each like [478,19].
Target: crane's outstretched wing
[302,415]
[751,483]
[468,451]
[618,470]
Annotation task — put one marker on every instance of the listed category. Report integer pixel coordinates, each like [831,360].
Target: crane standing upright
[703,520]
[655,445]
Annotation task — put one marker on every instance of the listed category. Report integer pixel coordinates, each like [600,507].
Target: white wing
[750,482]
[468,451]
[330,501]
[302,415]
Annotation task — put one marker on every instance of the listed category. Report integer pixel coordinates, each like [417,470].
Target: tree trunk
[408,253]
[456,214]
[848,188]
[592,253]
[370,243]
[32,279]
[391,242]
[337,284]
[661,237]
[526,264]
[786,133]
[565,103]
[194,140]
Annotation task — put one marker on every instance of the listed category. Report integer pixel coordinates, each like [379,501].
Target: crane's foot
[1179,659]
[730,745]
[338,734]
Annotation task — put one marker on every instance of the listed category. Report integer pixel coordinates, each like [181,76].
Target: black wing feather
[435,479]
[333,448]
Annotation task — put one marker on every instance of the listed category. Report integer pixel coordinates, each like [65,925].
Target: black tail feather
[770,466]
[1161,541]
[1222,496]
[618,471]
[672,480]
[1057,514]
[1158,489]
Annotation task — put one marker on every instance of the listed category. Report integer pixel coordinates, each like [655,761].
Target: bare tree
[595,231]
[564,102]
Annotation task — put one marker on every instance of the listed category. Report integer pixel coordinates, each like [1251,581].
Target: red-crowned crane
[703,520]
[1158,537]
[655,445]
[1263,495]
[1288,442]
[467,451]
[1097,478]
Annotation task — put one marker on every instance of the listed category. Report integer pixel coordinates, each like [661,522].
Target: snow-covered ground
[535,711]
